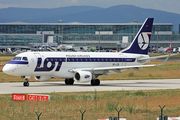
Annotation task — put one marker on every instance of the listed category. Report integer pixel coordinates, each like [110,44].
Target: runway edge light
[19,97]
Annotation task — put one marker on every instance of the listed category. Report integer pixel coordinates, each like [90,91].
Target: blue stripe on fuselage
[18,62]
[85,60]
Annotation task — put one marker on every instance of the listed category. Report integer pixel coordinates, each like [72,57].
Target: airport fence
[89,116]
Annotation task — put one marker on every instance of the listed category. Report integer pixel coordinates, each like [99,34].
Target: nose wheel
[26,83]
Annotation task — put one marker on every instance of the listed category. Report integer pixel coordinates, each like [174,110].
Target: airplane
[163,50]
[84,66]
[167,49]
[65,47]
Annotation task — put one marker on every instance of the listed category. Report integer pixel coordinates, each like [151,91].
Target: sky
[164,5]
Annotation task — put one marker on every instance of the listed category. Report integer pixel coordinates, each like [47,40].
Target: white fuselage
[58,64]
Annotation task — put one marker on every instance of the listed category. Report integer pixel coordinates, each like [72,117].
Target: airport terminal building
[105,35]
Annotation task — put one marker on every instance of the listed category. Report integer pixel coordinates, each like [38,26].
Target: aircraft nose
[7,69]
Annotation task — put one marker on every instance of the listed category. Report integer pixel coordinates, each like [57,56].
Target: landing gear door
[123,60]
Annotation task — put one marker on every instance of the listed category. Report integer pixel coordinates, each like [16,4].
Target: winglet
[164,62]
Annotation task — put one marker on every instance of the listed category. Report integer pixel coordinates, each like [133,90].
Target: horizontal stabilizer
[156,57]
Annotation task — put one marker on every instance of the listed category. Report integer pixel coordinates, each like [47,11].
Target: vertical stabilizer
[140,44]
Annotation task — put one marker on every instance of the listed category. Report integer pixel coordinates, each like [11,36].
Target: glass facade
[19,40]
[30,28]
[79,34]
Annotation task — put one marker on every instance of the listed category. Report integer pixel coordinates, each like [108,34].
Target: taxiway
[111,85]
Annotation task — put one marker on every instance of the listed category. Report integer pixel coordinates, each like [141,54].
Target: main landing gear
[69,81]
[26,83]
[95,82]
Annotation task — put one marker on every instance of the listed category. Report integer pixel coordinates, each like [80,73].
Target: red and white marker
[36,97]
[19,97]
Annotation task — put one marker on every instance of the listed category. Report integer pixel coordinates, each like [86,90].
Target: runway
[111,85]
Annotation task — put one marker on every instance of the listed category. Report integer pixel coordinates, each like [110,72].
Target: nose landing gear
[26,83]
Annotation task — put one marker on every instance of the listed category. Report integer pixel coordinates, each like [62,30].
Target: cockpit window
[25,59]
[16,58]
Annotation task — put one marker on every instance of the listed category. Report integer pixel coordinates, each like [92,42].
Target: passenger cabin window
[24,59]
[17,58]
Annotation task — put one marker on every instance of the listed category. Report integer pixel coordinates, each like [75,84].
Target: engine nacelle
[83,76]
[42,78]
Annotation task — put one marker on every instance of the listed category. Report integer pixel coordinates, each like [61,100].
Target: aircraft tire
[92,82]
[26,84]
[95,82]
[69,81]
[66,81]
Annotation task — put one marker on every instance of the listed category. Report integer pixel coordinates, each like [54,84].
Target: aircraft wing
[118,68]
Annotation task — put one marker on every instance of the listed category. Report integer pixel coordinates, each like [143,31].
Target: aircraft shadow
[89,85]
[135,84]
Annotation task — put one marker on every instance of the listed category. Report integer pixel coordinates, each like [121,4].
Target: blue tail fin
[140,44]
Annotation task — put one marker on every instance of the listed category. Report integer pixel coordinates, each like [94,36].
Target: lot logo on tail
[140,44]
[143,40]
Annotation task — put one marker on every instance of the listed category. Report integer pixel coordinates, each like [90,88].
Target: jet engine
[83,76]
[42,78]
